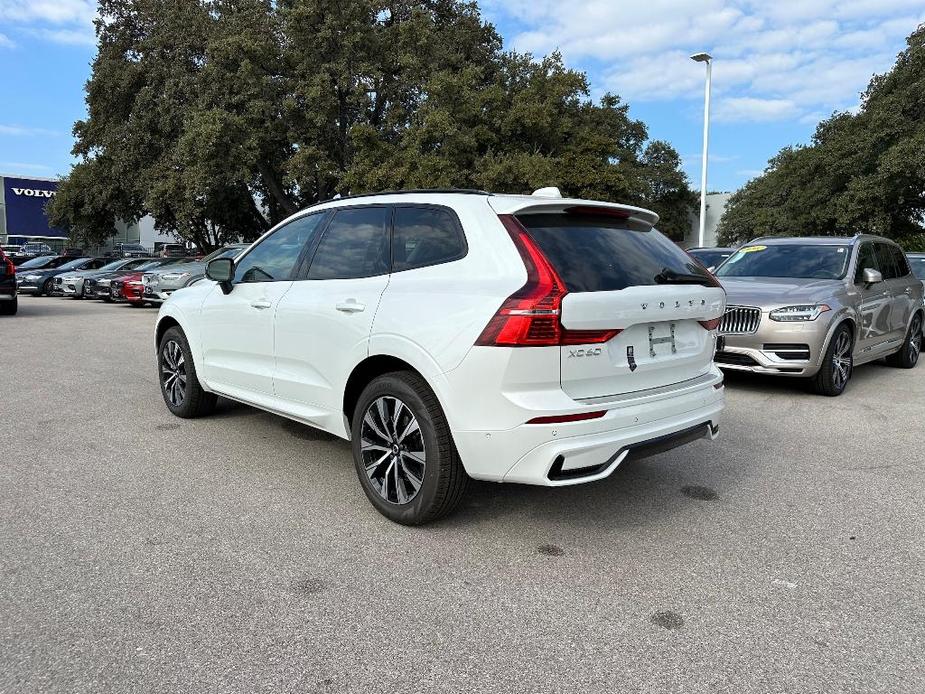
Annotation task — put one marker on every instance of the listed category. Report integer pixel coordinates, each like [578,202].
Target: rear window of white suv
[599,253]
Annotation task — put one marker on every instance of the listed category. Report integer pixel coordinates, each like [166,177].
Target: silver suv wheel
[393,450]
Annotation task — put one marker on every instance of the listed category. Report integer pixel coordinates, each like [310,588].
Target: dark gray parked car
[818,307]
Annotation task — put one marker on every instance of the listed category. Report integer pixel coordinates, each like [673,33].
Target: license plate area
[666,343]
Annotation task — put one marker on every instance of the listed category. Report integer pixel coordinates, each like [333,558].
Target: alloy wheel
[842,360]
[173,373]
[915,340]
[392,446]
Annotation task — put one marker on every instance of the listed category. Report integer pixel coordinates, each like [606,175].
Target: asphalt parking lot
[140,552]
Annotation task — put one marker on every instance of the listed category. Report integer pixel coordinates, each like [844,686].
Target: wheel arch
[163,325]
[363,373]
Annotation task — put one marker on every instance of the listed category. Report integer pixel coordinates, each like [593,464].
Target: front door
[874,305]
[323,323]
[237,327]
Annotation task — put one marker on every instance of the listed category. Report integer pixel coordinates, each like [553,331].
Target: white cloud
[60,21]
[22,131]
[774,60]
[6,41]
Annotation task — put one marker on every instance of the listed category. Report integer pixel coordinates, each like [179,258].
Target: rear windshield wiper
[669,276]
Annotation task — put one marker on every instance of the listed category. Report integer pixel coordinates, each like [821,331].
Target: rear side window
[887,262]
[423,236]
[598,253]
[355,244]
[899,258]
[918,266]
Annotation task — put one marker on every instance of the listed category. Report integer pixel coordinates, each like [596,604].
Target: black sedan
[40,278]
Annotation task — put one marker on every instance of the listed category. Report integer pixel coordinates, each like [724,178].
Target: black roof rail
[408,191]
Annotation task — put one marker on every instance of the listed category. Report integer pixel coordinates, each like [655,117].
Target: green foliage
[222,117]
[863,172]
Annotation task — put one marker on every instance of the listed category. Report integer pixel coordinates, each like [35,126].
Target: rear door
[895,287]
[907,291]
[324,321]
[634,281]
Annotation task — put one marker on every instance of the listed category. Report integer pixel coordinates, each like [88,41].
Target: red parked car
[128,288]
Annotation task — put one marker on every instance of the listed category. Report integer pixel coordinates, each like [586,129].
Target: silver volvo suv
[818,307]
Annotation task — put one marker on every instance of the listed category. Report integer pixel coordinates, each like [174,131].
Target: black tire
[908,355]
[444,480]
[193,401]
[837,364]
[47,288]
[9,308]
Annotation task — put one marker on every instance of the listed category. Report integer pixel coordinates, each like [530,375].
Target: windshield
[917,262]
[711,257]
[36,262]
[46,262]
[74,264]
[800,261]
[227,252]
[113,266]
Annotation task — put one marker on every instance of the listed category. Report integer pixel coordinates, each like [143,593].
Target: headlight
[33,278]
[174,276]
[803,312]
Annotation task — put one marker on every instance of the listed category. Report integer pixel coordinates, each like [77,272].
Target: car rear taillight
[10,269]
[530,316]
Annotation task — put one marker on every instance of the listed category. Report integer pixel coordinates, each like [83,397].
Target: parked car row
[112,280]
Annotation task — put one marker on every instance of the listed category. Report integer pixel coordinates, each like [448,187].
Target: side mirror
[221,270]
[871,276]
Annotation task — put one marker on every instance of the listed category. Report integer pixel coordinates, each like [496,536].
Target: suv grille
[740,320]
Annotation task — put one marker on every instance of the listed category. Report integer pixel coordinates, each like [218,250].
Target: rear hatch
[622,275]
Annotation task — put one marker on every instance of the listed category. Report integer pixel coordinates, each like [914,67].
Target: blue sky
[781,66]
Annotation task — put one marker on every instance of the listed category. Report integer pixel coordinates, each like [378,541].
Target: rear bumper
[585,451]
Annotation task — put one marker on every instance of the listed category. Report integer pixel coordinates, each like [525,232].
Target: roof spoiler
[637,218]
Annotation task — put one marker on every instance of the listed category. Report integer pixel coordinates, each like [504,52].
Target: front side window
[867,260]
[797,261]
[423,236]
[275,258]
[355,244]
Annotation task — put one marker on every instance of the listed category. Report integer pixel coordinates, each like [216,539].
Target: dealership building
[23,219]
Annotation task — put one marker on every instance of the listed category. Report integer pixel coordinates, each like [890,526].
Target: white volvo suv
[458,334]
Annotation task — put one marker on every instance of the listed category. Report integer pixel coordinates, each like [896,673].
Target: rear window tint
[423,236]
[598,253]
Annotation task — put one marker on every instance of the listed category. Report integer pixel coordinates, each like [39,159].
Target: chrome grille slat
[740,320]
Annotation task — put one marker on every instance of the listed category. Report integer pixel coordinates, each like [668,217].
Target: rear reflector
[559,419]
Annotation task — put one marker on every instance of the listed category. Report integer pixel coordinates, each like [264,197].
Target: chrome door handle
[350,306]
[261,304]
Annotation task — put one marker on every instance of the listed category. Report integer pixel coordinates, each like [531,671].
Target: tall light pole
[708,59]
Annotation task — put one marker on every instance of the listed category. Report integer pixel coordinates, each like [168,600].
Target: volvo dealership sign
[24,204]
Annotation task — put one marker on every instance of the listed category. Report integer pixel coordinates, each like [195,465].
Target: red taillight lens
[530,316]
[710,324]
[558,419]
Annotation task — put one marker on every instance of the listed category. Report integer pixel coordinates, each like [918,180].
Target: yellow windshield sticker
[752,249]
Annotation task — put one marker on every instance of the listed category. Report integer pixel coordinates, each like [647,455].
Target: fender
[401,347]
